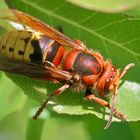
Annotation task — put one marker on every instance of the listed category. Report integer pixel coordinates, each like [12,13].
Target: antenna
[112,107]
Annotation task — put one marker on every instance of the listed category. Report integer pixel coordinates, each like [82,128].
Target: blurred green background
[16,122]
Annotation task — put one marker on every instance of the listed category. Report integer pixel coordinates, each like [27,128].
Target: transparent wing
[31,22]
[6,23]
[35,71]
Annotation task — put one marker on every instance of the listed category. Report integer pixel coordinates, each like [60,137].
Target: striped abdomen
[30,47]
[84,65]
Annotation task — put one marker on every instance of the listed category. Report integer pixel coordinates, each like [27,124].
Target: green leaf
[12,98]
[115,36]
[3,4]
[3,24]
[135,13]
[34,129]
[109,6]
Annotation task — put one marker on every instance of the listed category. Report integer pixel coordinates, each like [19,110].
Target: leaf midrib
[51,13]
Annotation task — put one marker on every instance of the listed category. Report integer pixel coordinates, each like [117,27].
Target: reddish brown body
[92,69]
[54,57]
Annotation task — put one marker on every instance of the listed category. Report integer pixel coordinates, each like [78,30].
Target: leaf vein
[48,12]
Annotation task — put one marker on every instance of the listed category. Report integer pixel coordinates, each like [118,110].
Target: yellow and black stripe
[27,46]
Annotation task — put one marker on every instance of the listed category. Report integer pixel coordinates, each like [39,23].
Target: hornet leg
[104,103]
[55,93]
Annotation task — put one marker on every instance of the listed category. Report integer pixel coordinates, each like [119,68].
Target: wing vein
[45,11]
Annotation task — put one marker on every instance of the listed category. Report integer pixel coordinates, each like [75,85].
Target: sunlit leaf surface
[109,6]
[115,36]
